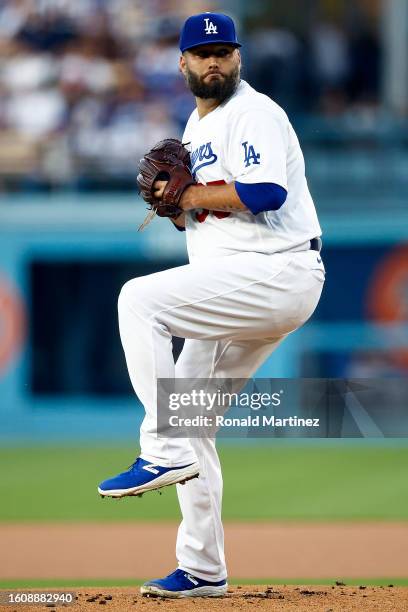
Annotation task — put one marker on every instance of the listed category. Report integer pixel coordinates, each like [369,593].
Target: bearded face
[212,71]
[214,86]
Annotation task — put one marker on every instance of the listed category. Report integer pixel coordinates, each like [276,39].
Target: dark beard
[220,89]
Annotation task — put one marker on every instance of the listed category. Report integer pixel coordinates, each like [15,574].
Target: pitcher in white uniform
[255,275]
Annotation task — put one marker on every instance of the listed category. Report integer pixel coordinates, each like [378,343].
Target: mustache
[213,72]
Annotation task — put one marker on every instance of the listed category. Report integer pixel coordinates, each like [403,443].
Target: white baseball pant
[233,311]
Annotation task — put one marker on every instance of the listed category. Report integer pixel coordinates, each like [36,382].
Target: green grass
[53,584]
[279,482]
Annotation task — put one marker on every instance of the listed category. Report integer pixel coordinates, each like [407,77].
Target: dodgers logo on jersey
[250,156]
[210,28]
[202,156]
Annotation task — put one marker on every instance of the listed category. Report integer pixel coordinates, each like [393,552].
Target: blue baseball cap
[206,29]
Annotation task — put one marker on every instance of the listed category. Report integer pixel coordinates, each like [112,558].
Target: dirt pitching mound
[88,552]
[240,598]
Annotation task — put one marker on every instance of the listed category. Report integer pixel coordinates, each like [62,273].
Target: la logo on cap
[206,28]
[210,28]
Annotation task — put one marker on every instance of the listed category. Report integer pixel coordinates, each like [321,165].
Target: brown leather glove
[168,161]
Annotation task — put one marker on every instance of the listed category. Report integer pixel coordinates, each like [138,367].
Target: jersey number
[201,216]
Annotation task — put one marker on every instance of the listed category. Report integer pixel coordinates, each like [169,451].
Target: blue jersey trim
[259,197]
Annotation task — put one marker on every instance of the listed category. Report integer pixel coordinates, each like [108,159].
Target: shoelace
[133,465]
[179,573]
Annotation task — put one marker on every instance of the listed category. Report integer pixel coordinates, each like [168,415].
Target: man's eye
[207,54]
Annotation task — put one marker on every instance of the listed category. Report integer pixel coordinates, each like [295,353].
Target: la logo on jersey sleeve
[250,157]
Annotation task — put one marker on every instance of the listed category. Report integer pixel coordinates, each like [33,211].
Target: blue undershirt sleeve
[259,197]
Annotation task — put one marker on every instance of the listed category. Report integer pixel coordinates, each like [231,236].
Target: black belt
[316,244]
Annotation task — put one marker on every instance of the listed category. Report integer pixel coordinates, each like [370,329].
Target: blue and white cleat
[182,584]
[145,476]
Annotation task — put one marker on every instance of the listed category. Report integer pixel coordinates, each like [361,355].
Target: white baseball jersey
[248,139]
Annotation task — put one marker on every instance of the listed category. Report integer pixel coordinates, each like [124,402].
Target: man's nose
[213,61]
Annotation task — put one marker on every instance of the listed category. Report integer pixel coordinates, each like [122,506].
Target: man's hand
[185,201]
[158,188]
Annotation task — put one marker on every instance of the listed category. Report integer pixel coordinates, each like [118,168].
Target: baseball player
[254,276]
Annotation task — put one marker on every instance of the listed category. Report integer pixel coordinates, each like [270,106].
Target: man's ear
[182,63]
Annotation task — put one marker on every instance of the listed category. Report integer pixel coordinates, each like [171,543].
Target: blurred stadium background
[86,86]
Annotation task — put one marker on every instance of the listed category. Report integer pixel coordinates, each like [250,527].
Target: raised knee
[130,295]
[138,295]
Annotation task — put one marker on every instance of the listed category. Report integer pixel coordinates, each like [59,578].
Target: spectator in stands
[85,86]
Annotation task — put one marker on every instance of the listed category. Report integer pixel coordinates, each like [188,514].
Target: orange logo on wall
[12,324]
[388,294]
